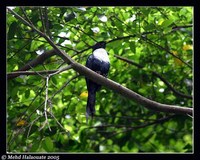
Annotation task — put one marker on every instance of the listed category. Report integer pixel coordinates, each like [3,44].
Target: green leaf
[47,144]
[149,27]
[33,129]
[53,131]
[188,147]
[54,80]
[35,146]
[80,45]
[28,57]
[12,30]
[166,23]
[27,93]
[132,47]
[170,97]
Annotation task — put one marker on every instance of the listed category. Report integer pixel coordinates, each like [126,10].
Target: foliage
[150,36]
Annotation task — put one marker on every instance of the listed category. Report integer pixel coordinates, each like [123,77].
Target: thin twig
[42,20]
[157,75]
[78,28]
[18,73]
[180,27]
[59,123]
[46,95]
[128,61]
[31,124]
[22,8]
[54,94]
[170,86]
[45,105]
[47,22]
[61,70]
[18,50]
[161,120]
[67,47]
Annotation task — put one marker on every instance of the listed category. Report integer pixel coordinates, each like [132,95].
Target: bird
[99,62]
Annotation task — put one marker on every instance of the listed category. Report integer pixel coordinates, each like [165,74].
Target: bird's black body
[98,61]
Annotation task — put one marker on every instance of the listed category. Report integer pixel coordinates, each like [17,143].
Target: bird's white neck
[101,54]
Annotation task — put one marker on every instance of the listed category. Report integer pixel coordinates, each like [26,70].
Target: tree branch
[47,22]
[50,72]
[22,8]
[109,83]
[39,60]
[131,128]
[18,73]
[180,27]
[170,86]
[42,20]
[128,61]
[157,75]
[160,120]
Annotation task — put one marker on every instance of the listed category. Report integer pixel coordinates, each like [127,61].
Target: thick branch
[128,93]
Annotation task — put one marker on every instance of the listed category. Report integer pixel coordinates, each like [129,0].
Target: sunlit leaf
[187,47]
[166,23]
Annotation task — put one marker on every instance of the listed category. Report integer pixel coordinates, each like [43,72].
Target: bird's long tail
[90,109]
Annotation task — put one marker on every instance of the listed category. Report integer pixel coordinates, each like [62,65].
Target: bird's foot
[99,72]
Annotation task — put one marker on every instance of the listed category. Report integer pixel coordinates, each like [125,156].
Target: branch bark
[109,83]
